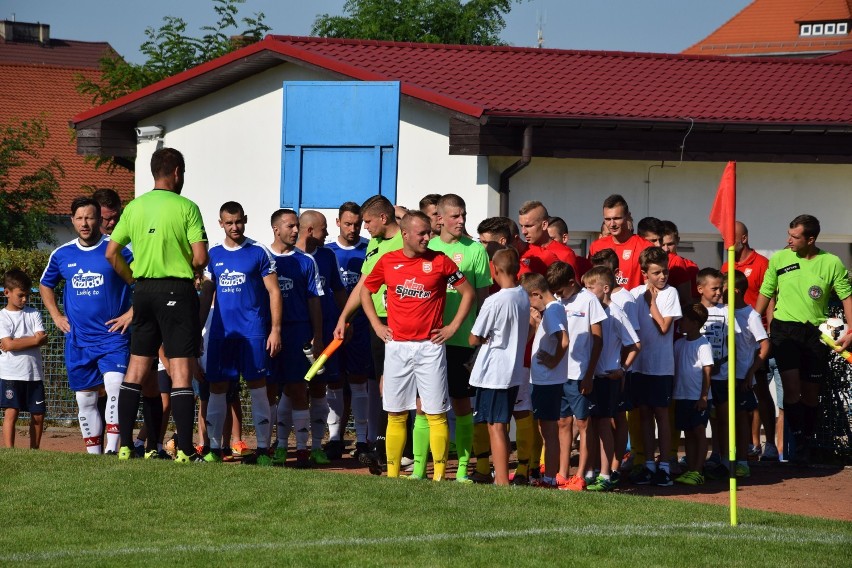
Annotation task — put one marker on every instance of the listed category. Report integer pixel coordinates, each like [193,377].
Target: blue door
[340,143]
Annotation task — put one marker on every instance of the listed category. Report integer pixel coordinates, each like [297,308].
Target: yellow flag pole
[732,382]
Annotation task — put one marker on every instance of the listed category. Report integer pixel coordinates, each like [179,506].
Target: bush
[31,261]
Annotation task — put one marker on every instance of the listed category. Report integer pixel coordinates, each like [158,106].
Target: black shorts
[605,395]
[745,399]
[797,346]
[458,375]
[687,417]
[165,312]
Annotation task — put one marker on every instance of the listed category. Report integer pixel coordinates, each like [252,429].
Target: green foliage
[31,261]
[170,50]
[477,22]
[25,201]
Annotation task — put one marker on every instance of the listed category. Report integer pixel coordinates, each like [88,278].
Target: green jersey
[162,226]
[804,285]
[472,260]
[375,249]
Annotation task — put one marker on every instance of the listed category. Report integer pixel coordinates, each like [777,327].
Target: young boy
[658,309]
[620,346]
[693,365]
[548,369]
[584,315]
[21,335]
[752,351]
[501,329]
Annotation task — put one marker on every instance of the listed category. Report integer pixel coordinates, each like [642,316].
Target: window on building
[817,29]
[805,30]
[843,28]
[829,29]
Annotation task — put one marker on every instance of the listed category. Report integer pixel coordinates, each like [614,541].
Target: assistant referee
[169,251]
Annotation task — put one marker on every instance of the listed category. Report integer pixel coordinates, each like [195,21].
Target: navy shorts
[605,397]
[290,365]
[687,417]
[651,390]
[164,382]
[26,396]
[746,401]
[546,401]
[331,367]
[574,403]
[86,366]
[797,346]
[165,312]
[202,391]
[494,406]
[355,357]
[458,375]
[625,399]
[228,358]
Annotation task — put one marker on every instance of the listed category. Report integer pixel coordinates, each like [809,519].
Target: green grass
[73,509]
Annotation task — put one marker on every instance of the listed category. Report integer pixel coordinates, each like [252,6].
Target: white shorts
[524,400]
[412,368]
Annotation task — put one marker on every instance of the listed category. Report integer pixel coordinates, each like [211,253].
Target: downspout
[526,157]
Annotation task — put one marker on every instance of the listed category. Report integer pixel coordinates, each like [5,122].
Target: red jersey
[416,291]
[536,259]
[754,267]
[566,254]
[681,270]
[629,274]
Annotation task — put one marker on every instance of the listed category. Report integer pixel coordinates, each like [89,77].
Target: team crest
[626,254]
[457,258]
[10,394]
[525,261]
[427,267]
[815,292]
[747,272]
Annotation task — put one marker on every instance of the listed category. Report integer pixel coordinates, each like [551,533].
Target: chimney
[25,32]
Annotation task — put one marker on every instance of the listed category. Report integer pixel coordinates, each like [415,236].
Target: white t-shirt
[625,300]
[690,359]
[582,310]
[657,354]
[25,365]
[716,332]
[504,320]
[617,333]
[546,339]
[752,333]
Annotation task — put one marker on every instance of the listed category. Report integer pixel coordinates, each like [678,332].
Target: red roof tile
[770,27]
[31,91]
[59,53]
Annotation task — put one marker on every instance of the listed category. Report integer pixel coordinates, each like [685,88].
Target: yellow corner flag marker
[326,353]
[732,385]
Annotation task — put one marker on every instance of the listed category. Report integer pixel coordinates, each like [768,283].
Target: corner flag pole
[723,216]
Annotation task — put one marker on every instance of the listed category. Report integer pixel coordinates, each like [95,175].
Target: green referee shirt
[162,226]
[375,249]
[804,285]
[472,259]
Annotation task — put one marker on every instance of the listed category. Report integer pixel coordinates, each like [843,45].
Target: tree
[476,22]
[169,50]
[25,203]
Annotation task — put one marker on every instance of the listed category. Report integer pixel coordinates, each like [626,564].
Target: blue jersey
[298,278]
[349,260]
[330,280]
[242,302]
[94,293]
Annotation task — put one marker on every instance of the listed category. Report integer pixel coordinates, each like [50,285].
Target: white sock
[360,401]
[89,417]
[335,412]
[374,409]
[319,417]
[260,415]
[285,420]
[217,407]
[112,383]
[302,424]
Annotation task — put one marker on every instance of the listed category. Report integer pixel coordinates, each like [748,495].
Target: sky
[664,26]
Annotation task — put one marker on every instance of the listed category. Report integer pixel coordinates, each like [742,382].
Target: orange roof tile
[31,91]
[770,27]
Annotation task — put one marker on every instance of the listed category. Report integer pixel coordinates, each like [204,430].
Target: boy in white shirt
[548,369]
[658,308]
[501,328]
[693,365]
[620,346]
[21,335]
[584,314]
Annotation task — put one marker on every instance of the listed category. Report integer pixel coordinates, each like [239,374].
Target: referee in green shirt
[169,251]
[802,277]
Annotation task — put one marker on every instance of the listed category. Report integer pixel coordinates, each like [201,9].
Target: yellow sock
[481,448]
[524,442]
[637,445]
[395,442]
[537,448]
[439,441]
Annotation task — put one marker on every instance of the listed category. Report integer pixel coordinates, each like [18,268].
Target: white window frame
[805,30]
[817,29]
[843,27]
[829,29]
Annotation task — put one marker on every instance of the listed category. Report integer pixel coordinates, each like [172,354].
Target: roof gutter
[505,175]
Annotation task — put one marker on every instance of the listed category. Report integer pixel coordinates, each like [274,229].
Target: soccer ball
[170,448]
[833,327]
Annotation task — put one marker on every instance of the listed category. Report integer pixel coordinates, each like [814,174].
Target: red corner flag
[724,215]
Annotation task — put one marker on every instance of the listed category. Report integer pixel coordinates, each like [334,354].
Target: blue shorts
[604,397]
[687,417]
[26,396]
[574,403]
[228,358]
[746,401]
[494,406]
[546,401]
[86,366]
[291,365]
[202,391]
[332,365]
[651,390]
[355,358]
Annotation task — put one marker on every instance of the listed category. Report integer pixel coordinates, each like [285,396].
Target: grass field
[74,509]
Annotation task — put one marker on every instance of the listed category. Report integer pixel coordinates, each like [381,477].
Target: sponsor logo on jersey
[232,278]
[72,265]
[286,284]
[219,264]
[575,314]
[787,269]
[398,266]
[815,292]
[427,267]
[412,289]
[626,254]
[171,303]
[86,280]
[620,278]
